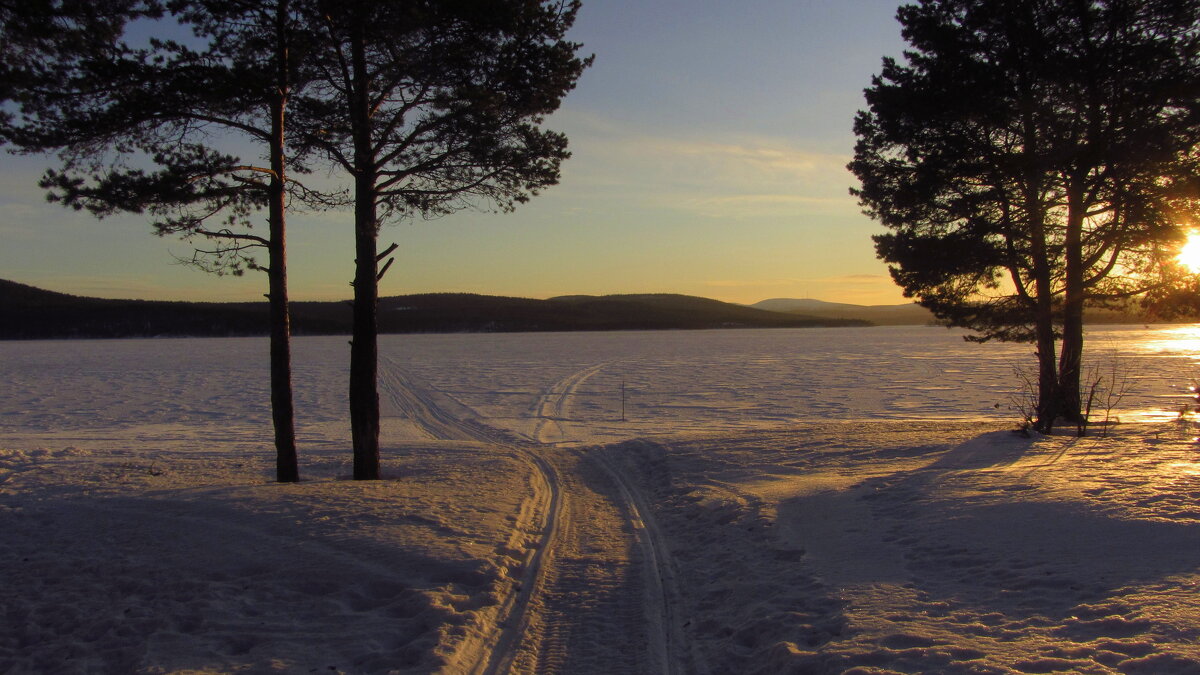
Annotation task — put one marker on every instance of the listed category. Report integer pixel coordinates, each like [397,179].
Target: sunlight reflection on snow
[1180,340]
[1148,416]
[1190,468]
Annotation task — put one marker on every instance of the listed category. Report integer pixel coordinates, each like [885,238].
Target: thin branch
[387,251]
[384,270]
[226,234]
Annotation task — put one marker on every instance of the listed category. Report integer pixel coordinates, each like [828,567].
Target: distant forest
[32,313]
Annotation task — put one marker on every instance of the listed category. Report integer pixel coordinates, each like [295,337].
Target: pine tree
[430,106]
[1033,158]
[136,129]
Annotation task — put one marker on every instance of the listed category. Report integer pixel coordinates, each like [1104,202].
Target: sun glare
[1189,256]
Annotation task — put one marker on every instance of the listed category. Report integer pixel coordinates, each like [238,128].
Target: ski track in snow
[664,601]
[597,590]
[554,405]
[493,653]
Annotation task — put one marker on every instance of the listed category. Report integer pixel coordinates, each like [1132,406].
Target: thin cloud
[841,280]
[768,205]
[752,283]
[860,278]
[729,177]
[739,167]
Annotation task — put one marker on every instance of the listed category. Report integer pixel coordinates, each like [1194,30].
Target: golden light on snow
[1189,468]
[1179,340]
[1189,255]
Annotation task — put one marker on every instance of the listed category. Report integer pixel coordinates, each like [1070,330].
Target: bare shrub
[1107,378]
[1024,400]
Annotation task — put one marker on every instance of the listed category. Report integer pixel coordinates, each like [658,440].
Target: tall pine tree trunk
[1047,403]
[1048,399]
[1035,210]
[364,351]
[282,409]
[1070,364]
[1070,372]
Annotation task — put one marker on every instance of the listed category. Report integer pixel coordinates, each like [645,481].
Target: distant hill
[908,314]
[27,312]
[33,313]
[442,312]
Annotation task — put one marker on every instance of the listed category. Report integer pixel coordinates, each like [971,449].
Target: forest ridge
[27,312]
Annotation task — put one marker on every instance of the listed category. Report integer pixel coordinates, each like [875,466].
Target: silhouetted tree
[42,40]
[1032,158]
[431,106]
[137,129]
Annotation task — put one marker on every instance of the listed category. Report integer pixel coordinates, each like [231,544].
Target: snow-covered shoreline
[140,531]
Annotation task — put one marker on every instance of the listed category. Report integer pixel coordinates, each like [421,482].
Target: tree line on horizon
[28,313]
[427,107]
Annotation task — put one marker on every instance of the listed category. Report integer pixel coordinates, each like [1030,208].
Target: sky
[709,143]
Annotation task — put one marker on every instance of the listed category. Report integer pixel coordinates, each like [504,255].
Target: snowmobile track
[600,572]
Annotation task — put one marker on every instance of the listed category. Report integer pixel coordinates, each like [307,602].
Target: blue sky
[710,141]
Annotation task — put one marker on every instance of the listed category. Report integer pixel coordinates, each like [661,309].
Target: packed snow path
[597,593]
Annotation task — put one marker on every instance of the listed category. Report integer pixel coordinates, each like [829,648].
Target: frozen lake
[564,387]
[808,501]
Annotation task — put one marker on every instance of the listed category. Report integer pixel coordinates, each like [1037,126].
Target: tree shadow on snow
[984,542]
[159,584]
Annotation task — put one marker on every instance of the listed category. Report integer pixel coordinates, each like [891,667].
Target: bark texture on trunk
[1070,401]
[282,410]
[364,350]
[1047,403]
[1035,209]
[283,415]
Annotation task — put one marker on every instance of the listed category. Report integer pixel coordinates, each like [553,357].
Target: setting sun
[1189,256]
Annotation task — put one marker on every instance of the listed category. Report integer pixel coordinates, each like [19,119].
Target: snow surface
[822,500]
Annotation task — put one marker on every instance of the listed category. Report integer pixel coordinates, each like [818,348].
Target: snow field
[828,500]
[870,549]
[177,560]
